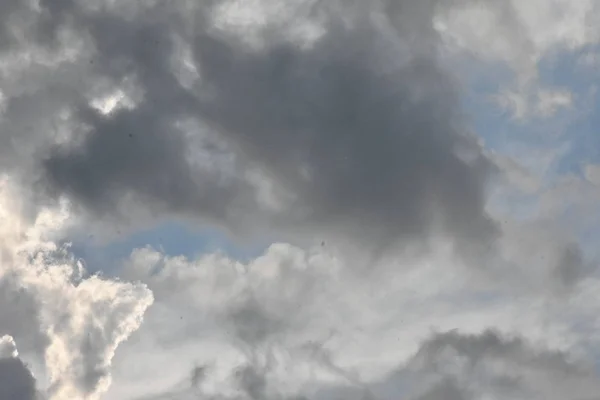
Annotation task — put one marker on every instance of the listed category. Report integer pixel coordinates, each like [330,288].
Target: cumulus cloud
[538,103]
[304,363]
[299,323]
[75,322]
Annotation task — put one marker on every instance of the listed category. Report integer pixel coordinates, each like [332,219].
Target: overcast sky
[309,199]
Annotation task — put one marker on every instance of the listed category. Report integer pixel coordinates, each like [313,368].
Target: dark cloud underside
[362,129]
[16,381]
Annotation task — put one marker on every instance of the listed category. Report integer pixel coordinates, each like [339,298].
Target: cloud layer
[411,258]
[293,323]
[357,131]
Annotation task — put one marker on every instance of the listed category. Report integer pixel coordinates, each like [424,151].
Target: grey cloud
[10,9]
[446,390]
[16,381]
[542,255]
[149,163]
[373,150]
[252,324]
[135,151]
[448,366]
[458,366]
[197,375]
[19,315]
[476,347]
[362,128]
[496,365]
[571,264]
[251,381]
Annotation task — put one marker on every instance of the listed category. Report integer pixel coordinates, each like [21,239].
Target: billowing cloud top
[392,151]
[71,321]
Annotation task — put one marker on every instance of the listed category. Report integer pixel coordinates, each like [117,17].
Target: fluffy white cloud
[74,321]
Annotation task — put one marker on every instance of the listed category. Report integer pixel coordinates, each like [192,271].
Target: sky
[300,200]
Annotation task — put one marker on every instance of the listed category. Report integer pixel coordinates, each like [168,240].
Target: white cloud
[540,103]
[252,18]
[8,347]
[521,35]
[310,319]
[590,60]
[592,174]
[76,322]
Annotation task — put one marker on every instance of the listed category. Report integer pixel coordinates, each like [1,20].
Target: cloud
[356,132]
[353,129]
[526,38]
[312,121]
[447,365]
[16,381]
[490,364]
[592,174]
[296,322]
[71,321]
[545,102]
[305,115]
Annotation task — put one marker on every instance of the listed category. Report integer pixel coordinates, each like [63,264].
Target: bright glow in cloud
[80,319]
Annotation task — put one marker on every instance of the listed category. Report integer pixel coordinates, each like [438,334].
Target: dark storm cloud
[356,145]
[363,128]
[135,150]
